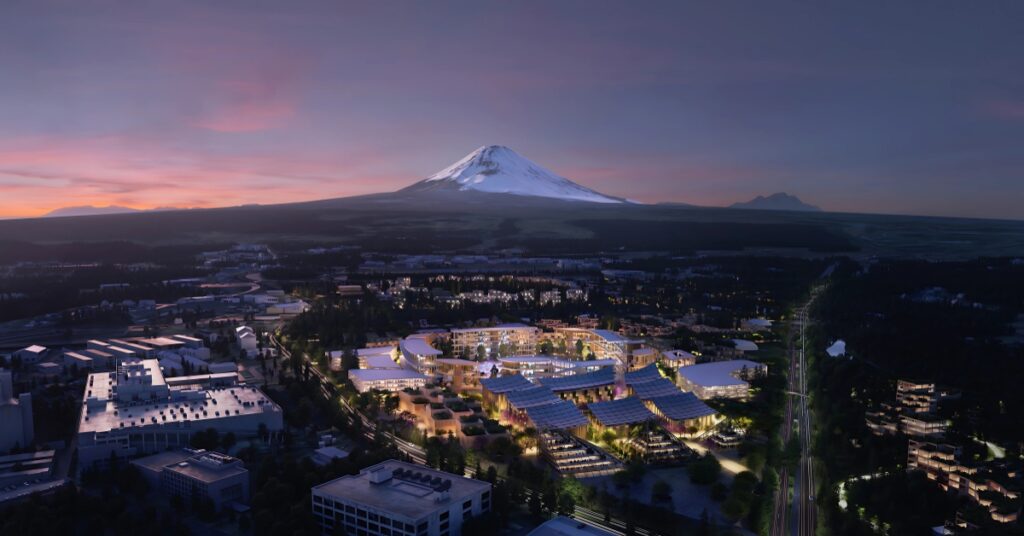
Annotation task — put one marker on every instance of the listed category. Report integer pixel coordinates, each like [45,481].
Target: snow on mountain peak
[498,169]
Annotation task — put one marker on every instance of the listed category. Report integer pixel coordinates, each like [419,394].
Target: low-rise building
[188,473]
[385,379]
[720,379]
[397,498]
[134,411]
[17,429]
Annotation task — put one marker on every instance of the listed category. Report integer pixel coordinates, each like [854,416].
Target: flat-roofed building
[188,473]
[17,429]
[135,411]
[78,361]
[397,498]
[419,355]
[385,379]
[565,526]
[720,379]
[30,355]
[678,358]
[496,341]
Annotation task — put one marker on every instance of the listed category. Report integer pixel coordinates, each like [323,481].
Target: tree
[661,491]
[705,470]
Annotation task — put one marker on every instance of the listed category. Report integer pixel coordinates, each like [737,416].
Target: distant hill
[89,210]
[777,201]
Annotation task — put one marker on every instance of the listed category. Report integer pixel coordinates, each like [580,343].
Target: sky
[883,107]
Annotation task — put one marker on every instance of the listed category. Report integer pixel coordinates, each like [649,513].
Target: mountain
[89,210]
[778,201]
[495,169]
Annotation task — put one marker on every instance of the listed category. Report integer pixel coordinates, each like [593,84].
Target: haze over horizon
[198,105]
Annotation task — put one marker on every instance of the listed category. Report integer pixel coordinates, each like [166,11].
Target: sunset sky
[890,107]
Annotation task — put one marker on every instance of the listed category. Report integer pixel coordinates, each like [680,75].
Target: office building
[396,498]
[720,379]
[16,426]
[497,341]
[135,411]
[188,473]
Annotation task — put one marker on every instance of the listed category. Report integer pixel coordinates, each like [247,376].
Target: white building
[385,379]
[30,355]
[399,499]
[135,411]
[186,473]
[720,379]
[16,425]
[419,355]
[247,341]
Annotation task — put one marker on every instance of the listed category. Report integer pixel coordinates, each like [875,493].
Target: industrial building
[188,473]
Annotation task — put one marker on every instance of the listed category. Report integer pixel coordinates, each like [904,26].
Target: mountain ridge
[776,201]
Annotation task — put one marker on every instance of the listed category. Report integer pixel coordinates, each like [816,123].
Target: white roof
[369,375]
[745,346]
[35,349]
[379,350]
[418,346]
[564,526]
[717,373]
[673,355]
[379,362]
[837,349]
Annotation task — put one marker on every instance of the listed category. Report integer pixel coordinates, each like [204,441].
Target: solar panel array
[531,396]
[651,389]
[619,412]
[682,406]
[559,415]
[646,374]
[505,384]
[605,376]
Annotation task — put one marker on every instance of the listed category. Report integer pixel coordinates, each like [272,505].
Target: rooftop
[504,384]
[368,375]
[681,406]
[623,411]
[499,327]
[605,376]
[564,526]
[409,490]
[646,374]
[378,361]
[531,396]
[656,388]
[377,350]
[418,346]
[560,415]
[102,412]
[717,373]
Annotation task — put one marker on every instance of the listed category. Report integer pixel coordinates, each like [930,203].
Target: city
[267,270]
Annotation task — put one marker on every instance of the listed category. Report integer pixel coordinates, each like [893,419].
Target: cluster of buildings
[995,485]
[913,414]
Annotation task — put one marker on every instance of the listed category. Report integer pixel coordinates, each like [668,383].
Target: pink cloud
[1004,109]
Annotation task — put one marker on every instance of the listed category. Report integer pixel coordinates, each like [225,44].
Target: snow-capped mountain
[496,169]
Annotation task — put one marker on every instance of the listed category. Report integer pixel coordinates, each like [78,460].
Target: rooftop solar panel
[623,411]
[597,378]
[505,384]
[560,415]
[682,406]
[646,374]
[532,396]
[651,389]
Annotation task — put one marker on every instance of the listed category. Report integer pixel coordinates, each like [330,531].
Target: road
[419,456]
[800,518]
